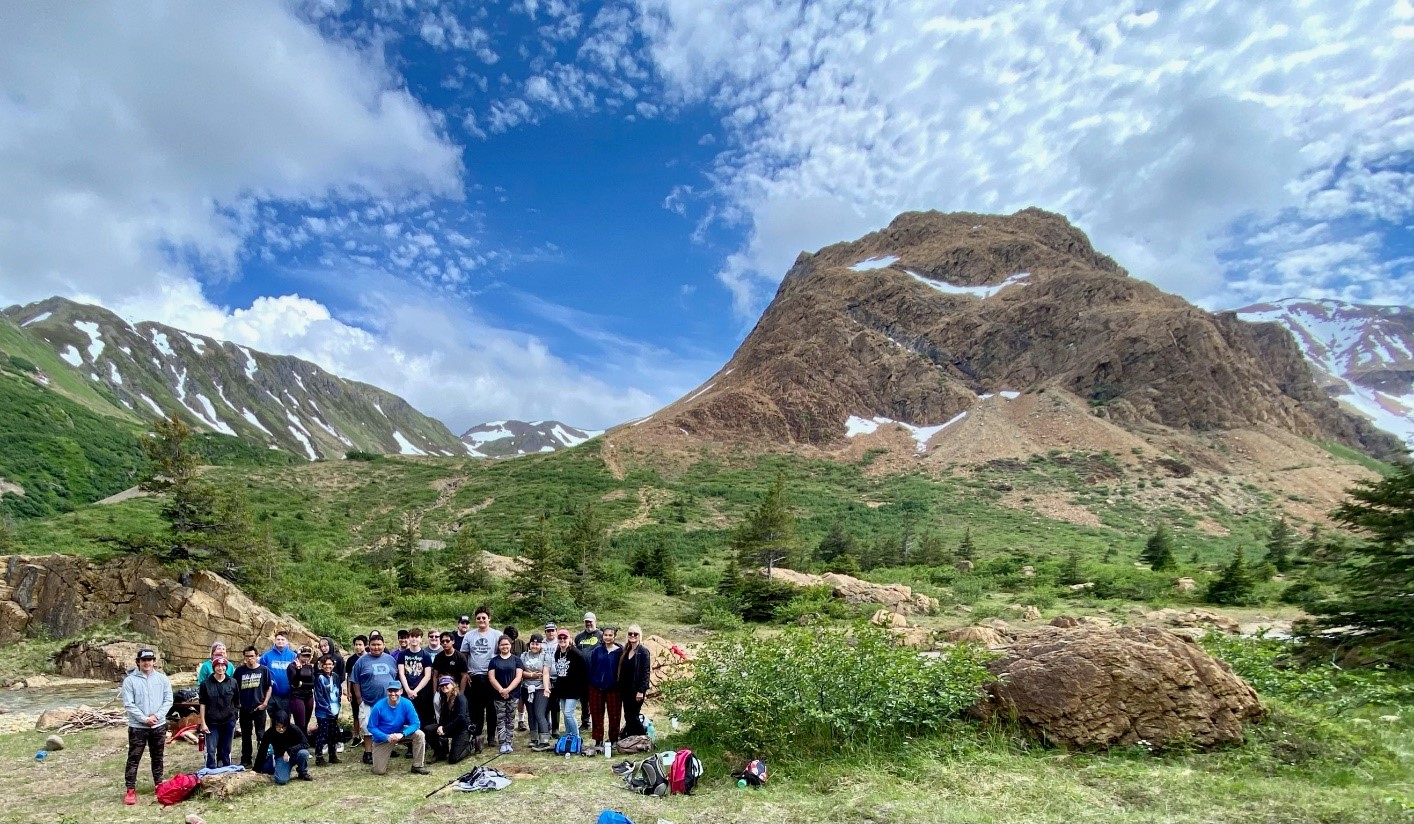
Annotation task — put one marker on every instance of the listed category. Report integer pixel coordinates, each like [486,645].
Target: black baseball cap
[375,636]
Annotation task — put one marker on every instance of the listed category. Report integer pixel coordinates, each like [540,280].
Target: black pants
[252,721]
[139,739]
[452,748]
[632,708]
[483,710]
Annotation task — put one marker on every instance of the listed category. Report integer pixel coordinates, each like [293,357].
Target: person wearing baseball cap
[147,696]
[217,711]
[552,707]
[301,675]
[585,642]
[391,721]
[571,682]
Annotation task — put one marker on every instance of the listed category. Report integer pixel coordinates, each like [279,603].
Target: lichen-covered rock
[225,786]
[54,743]
[1097,687]
[1199,619]
[896,598]
[53,719]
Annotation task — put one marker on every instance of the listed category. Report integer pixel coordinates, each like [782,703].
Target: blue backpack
[613,817]
[567,745]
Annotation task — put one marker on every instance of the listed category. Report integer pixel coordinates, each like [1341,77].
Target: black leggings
[632,708]
[153,739]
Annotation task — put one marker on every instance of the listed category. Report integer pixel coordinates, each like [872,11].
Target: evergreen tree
[966,549]
[1158,551]
[584,545]
[466,562]
[1234,586]
[931,550]
[660,567]
[767,537]
[538,579]
[1279,546]
[836,542]
[1071,573]
[189,505]
[1379,572]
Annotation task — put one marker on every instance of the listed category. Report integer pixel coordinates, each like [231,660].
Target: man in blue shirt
[393,720]
[277,659]
[371,676]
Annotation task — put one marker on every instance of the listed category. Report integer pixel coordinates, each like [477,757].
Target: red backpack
[177,789]
[683,775]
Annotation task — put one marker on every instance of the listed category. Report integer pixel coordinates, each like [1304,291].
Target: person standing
[517,648]
[479,647]
[504,675]
[278,659]
[463,629]
[552,707]
[371,677]
[535,666]
[415,674]
[328,647]
[301,675]
[571,682]
[604,687]
[360,645]
[253,691]
[203,672]
[147,696]
[390,722]
[635,670]
[216,702]
[588,638]
[328,692]
[449,663]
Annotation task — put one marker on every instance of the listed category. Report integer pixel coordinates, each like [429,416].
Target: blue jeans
[218,744]
[567,708]
[280,768]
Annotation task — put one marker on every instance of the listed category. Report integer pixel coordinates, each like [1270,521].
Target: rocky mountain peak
[508,439]
[920,321]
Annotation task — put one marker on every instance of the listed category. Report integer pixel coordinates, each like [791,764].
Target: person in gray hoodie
[147,696]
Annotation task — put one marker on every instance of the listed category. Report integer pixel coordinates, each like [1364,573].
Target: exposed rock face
[65,595]
[978,634]
[887,618]
[961,305]
[1089,687]
[1191,619]
[109,661]
[896,598]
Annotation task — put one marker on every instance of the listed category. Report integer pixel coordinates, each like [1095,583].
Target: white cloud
[1158,131]
[125,131]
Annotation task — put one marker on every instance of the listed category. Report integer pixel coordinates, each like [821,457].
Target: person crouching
[393,720]
[283,748]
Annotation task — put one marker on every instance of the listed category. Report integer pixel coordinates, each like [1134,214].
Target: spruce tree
[1071,573]
[836,542]
[466,562]
[660,567]
[538,577]
[1378,572]
[966,549]
[1279,546]
[189,504]
[584,545]
[1158,551]
[767,537]
[1234,586]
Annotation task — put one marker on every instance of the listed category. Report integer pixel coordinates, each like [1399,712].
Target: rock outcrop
[896,598]
[64,595]
[1093,687]
[978,634]
[107,661]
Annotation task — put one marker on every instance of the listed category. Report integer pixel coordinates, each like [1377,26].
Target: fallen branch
[90,719]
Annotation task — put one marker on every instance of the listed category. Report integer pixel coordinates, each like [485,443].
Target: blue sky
[554,208]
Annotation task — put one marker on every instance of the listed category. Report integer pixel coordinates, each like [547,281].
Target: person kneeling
[449,734]
[393,720]
[283,748]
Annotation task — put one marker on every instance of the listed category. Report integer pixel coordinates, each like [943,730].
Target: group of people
[451,697]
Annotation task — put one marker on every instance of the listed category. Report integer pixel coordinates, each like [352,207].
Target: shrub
[1270,667]
[818,601]
[811,692]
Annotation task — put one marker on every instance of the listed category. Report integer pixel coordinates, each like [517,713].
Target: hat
[589,616]
[218,661]
[549,625]
[536,638]
[563,634]
[375,636]
[445,680]
[394,687]
[305,650]
[465,619]
[146,654]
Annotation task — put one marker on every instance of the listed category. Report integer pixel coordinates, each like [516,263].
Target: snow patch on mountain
[250,364]
[250,416]
[855,426]
[406,446]
[982,292]
[39,318]
[114,374]
[72,356]
[875,263]
[95,338]
[211,417]
[153,404]
[196,343]
[159,340]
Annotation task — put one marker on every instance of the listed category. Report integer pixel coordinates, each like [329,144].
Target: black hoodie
[339,669]
[287,742]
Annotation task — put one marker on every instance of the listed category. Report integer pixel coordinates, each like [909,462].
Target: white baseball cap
[589,616]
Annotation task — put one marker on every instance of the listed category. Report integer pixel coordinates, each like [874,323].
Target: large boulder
[109,661]
[896,598]
[1096,687]
[62,595]
[1196,620]
[977,634]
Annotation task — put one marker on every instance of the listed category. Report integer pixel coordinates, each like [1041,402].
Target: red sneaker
[130,797]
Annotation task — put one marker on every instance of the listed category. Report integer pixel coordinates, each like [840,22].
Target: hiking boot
[305,776]
[319,761]
[521,727]
[476,744]
[420,771]
[130,797]
[333,758]
[245,765]
[368,758]
[338,746]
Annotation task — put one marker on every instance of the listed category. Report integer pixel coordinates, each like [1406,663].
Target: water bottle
[200,741]
[41,755]
[741,783]
[608,750]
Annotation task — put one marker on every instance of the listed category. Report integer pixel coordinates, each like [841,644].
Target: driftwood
[90,719]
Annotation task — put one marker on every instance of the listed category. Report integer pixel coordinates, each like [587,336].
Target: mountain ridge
[513,438]
[152,369]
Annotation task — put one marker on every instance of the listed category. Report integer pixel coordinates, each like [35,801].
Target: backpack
[686,769]
[177,789]
[754,773]
[482,779]
[613,817]
[567,745]
[647,778]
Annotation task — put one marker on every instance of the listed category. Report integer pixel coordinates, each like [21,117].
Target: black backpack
[647,778]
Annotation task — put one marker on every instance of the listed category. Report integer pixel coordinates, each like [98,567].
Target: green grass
[1345,453]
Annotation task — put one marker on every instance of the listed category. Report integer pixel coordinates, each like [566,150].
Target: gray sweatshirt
[145,695]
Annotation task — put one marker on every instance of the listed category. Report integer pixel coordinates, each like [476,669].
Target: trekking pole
[464,775]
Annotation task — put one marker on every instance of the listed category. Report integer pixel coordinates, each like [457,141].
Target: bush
[817,601]
[1124,584]
[811,692]
[322,619]
[1271,667]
